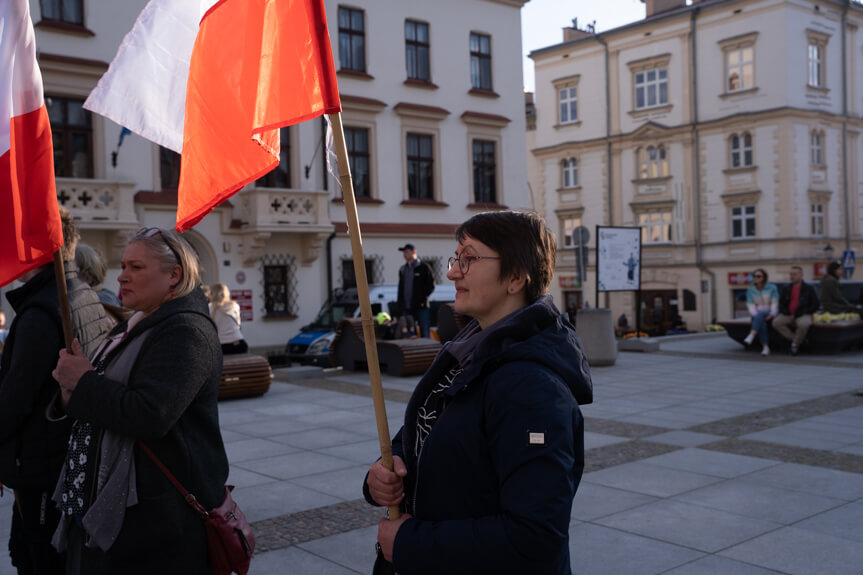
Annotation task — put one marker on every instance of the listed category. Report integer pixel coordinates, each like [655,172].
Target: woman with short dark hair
[492,448]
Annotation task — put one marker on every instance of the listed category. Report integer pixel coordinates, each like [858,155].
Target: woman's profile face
[144,286]
[479,292]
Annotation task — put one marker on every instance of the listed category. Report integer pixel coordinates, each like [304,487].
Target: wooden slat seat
[398,357]
[244,375]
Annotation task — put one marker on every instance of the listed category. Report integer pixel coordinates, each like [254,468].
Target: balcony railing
[98,204]
[272,209]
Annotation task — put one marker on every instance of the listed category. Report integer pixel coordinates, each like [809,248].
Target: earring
[172,293]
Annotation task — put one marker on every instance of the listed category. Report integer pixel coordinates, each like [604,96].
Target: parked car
[312,345]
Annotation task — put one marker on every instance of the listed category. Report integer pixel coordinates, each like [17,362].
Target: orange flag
[30,229]
[257,65]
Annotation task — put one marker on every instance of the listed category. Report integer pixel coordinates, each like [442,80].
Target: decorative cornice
[421,111]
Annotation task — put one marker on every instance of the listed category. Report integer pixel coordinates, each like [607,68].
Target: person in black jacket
[492,447]
[797,302]
[31,447]
[156,379]
[416,284]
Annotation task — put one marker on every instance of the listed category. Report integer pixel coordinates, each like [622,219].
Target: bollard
[595,329]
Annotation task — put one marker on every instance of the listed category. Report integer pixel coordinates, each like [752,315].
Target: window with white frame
[651,88]
[650,82]
[817,219]
[742,222]
[740,148]
[739,61]
[570,224]
[568,104]
[816,49]
[816,148]
[653,162]
[570,172]
[655,226]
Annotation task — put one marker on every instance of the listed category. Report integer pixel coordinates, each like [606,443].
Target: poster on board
[618,258]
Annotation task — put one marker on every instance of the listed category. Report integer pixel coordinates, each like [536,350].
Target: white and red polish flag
[30,229]
[214,81]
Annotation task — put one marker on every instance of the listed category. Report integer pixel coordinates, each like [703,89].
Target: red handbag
[230,541]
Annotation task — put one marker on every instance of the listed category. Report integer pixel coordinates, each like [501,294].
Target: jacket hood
[538,333]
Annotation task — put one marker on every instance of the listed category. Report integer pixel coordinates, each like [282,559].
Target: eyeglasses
[153,232]
[464,262]
[758,276]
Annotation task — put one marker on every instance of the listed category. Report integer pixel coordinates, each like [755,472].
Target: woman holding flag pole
[492,447]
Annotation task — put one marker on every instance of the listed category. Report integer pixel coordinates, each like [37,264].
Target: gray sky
[542,22]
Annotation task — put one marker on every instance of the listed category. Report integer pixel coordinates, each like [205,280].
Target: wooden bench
[400,357]
[244,375]
[827,338]
[450,322]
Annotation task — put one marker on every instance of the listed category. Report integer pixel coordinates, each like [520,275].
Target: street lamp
[828,252]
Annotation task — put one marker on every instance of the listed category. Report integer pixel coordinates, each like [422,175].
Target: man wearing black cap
[416,284]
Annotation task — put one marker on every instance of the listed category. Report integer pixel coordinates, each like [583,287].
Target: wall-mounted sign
[739,278]
[820,270]
[243,297]
[569,282]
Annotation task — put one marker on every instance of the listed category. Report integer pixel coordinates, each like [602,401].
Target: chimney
[573,32]
[658,6]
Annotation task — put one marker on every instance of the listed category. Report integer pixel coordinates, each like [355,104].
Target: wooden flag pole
[63,296]
[363,293]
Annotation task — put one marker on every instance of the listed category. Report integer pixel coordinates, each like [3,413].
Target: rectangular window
[569,227]
[280,177]
[352,40]
[741,150]
[742,222]
[655,227]
[817,220]
[567,98]
[72,132]
[276,290]
[570,173]
[815,149]
[357,140]
[169,168]
[349,276]
[740,68]
[651,88]
[420,158]
[480,61]
[417,50]
[69,11]
[484,169]
[816,65]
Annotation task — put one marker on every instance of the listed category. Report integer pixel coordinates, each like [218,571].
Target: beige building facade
[727,130]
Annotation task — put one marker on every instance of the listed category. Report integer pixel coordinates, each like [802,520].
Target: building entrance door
[658,311]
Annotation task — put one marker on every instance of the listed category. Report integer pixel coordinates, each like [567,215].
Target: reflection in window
[655,227]
[480,61]
[352,40]
[653,162]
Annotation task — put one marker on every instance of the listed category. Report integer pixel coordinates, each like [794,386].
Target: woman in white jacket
[226,315]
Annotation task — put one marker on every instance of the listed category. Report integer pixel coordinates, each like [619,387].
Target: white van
[312,345]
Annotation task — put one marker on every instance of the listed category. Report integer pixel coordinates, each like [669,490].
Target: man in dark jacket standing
[797,303]
[32,448]
[416,284]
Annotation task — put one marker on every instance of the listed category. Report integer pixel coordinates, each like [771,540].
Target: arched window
[740,147]
[570,173]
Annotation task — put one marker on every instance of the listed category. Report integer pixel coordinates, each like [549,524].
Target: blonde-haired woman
[155,379]
[226,315]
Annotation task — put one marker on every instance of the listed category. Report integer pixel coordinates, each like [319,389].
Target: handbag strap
[190,498]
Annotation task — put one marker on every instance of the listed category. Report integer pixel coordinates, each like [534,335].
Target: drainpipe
[609,172]
[696,161]
[847,209]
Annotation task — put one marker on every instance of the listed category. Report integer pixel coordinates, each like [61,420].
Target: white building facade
[728,130]
[434,118]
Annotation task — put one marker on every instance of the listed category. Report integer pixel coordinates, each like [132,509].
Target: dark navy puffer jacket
[491,490]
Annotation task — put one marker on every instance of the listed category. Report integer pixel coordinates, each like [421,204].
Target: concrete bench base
[826,338]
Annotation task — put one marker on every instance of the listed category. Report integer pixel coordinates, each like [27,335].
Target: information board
[618,258]
[243,297]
